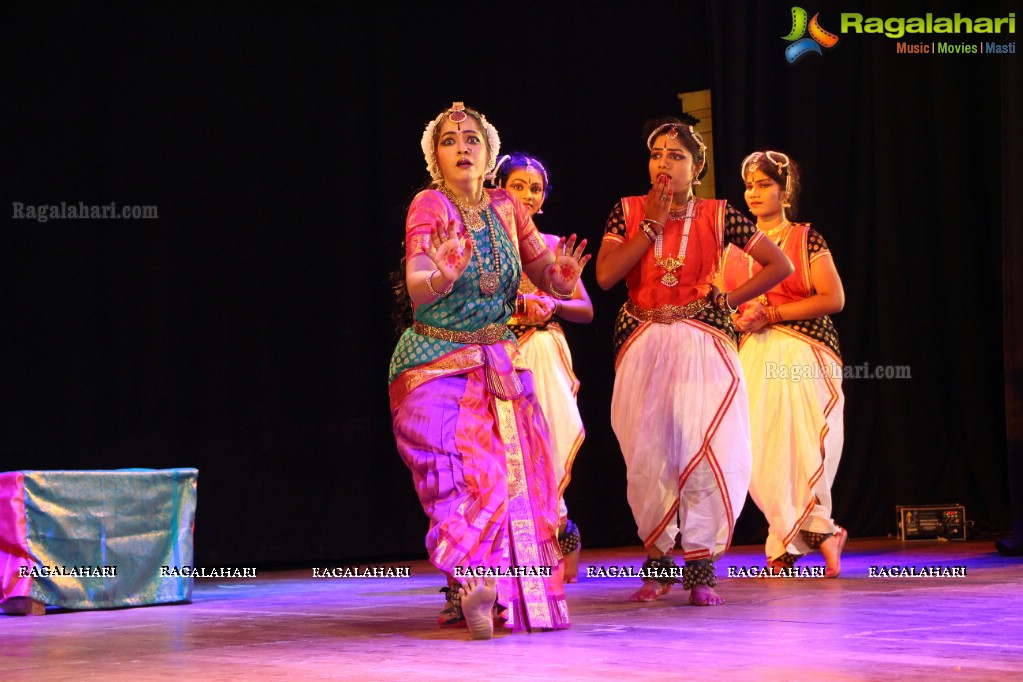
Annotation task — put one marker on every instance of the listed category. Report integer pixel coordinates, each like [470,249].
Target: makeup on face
[671,159]
[460,149]
[526,184]
[763,195]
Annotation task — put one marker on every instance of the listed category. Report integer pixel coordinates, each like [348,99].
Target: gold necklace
[470,214]
[490,279]
[781,226]
[670,264]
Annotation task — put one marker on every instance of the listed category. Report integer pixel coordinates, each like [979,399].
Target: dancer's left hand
[568,264]
[753,317]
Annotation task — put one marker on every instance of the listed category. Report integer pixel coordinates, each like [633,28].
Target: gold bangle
[429,285]
[558,295]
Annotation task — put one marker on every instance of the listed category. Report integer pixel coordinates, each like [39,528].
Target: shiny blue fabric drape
[119,530]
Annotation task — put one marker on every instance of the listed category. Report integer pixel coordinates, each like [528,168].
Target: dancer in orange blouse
[790,355]
[679,406]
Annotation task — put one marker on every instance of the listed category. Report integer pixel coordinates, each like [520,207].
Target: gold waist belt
[492,333]
[667,314]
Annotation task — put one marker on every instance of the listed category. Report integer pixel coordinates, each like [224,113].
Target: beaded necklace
[489,279]
[671,264]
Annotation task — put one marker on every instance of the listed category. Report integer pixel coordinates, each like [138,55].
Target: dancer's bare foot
[704,595]
[777,567]
[832,551]
[651,591]
[572,565]
[478,597]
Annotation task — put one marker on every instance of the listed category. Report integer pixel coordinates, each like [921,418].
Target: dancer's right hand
[658,201]
[450,249]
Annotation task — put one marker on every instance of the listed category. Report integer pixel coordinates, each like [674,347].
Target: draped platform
[96,539]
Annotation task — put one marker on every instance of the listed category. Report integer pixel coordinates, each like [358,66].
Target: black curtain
[246,331]
[1012,286]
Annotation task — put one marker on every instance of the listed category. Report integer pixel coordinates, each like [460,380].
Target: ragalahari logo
[800,46]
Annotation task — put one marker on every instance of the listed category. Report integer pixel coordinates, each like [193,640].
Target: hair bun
[688,118]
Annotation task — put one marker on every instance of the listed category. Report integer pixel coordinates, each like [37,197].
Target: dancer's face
[461,151]
[670,157]
[526,184]
[763,195]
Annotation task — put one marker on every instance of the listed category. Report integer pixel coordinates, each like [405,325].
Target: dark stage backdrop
[246,331]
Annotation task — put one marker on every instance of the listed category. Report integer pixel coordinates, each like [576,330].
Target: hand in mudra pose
[539,307]
[568,264]
[753,318]
[449,249]
[658,201]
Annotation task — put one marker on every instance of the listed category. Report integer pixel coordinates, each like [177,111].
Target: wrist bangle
[773,314]
[721,301]
[520,304]
[654,222]
[558,295]
[557,308]
[438,294]
[648,232]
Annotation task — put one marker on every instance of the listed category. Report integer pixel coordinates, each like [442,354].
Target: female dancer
[545,350]
[465,415]
[679,406]
[789,352]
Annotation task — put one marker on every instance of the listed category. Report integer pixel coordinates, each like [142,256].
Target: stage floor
[289,625]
